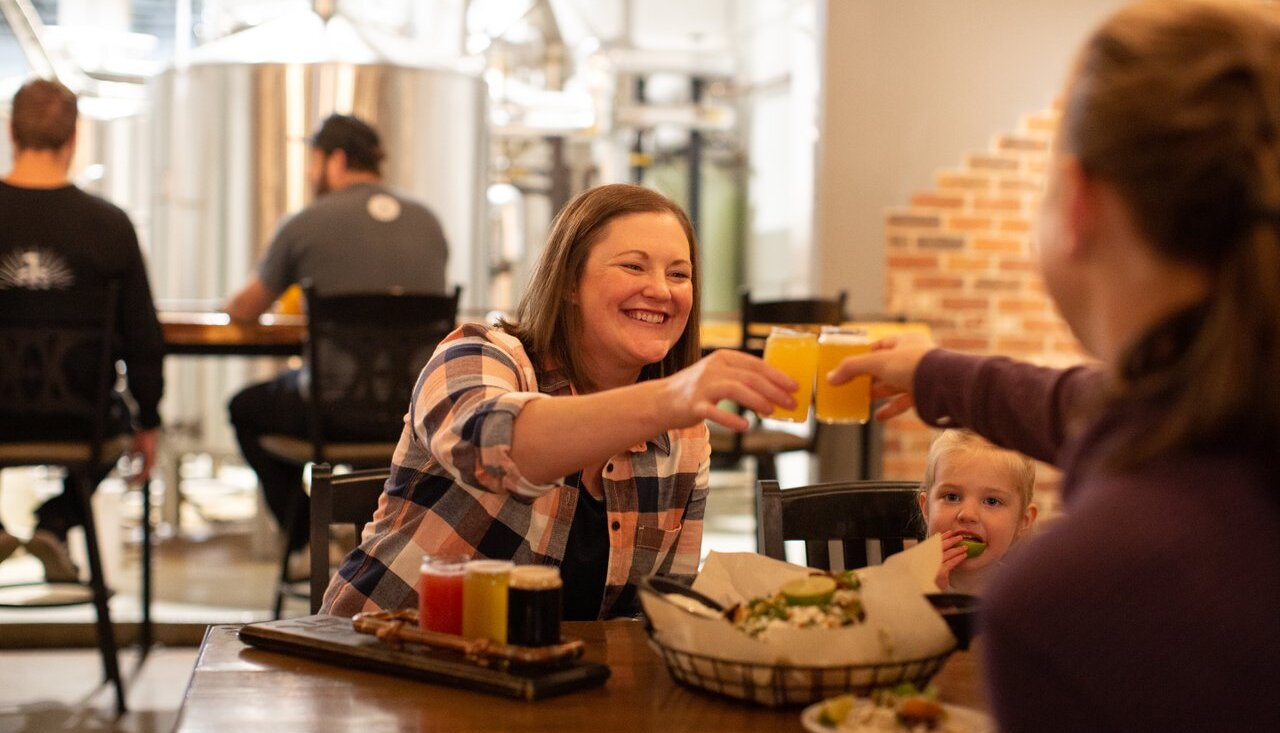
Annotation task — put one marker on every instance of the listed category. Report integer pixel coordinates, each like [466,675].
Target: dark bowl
[960,611]
[663,586]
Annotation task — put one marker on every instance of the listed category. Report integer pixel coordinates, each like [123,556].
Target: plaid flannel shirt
[455,489]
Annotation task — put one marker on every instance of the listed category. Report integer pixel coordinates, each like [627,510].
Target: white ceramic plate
[967,719]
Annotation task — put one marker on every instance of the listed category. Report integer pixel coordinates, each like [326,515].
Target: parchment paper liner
[900,625]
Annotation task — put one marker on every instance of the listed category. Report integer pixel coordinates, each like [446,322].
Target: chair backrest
[757,316]
[347,498]
[56,373]
[848,513]
[364,353]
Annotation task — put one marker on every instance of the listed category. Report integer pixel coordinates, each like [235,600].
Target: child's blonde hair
[1021,469]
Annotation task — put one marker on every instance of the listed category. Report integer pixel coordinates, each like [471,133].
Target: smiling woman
[635,296]
[573,435]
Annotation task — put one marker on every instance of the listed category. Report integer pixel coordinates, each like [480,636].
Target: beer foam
[493,567]
[840,336]
[535,577]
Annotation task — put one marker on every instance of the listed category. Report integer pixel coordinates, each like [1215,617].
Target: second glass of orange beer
[849,402]
[794,353]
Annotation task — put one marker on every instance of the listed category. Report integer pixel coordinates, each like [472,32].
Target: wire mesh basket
[780,684]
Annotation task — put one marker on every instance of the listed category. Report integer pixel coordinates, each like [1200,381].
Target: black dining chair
[762,443]
[858,520]
[364,353]
[47,336]
[345,498]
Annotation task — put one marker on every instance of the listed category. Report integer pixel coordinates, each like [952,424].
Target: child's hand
[953,553]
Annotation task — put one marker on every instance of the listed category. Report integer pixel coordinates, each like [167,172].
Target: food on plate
[974,547]
[834,711]
[822,601]
[901,708]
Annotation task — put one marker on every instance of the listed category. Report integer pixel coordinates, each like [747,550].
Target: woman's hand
[953,553]
[693,393]
[892,365]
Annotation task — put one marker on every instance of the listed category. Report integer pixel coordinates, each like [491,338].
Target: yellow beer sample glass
[849,402]
[794,353]
[484,599]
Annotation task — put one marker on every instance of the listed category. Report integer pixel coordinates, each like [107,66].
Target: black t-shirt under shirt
[585,567]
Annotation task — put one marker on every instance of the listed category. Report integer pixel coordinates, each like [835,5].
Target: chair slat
[817,554]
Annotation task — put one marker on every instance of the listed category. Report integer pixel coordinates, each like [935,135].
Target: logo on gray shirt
[383,208]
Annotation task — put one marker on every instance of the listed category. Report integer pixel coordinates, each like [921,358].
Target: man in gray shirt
[357,236]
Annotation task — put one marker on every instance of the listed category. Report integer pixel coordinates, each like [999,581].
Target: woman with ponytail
[1154,604]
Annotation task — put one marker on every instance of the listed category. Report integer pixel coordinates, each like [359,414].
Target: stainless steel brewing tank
[230,155]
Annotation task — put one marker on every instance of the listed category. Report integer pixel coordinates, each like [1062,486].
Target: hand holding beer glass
[794,353]
[807,358]
[849,402]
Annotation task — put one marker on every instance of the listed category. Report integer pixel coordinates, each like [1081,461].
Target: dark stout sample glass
[534,599]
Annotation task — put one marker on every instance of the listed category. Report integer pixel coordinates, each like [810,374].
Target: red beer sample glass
[440,593]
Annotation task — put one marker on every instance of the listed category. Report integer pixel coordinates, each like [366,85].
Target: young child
[978,492]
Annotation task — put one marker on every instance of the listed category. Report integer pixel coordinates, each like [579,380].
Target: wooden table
[237,687]
[209,333]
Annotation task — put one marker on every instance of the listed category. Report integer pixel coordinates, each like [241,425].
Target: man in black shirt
[56,236]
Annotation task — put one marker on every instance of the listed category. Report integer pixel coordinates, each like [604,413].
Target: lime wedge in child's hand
[814,590]
[973,547]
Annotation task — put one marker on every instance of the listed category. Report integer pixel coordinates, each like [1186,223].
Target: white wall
[910,86]
[779,64]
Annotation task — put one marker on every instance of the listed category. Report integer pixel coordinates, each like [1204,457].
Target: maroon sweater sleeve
[1012,404]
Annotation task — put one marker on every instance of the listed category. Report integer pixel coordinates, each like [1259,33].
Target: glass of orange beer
[849,402]
[484,599]
[795,353]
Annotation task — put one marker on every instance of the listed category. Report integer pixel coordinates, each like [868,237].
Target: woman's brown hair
[1177,104]
[548,324]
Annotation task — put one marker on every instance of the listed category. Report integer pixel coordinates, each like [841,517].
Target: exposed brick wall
[960,258]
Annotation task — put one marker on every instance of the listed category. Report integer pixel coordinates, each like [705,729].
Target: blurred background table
[724,331]
[210,333]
